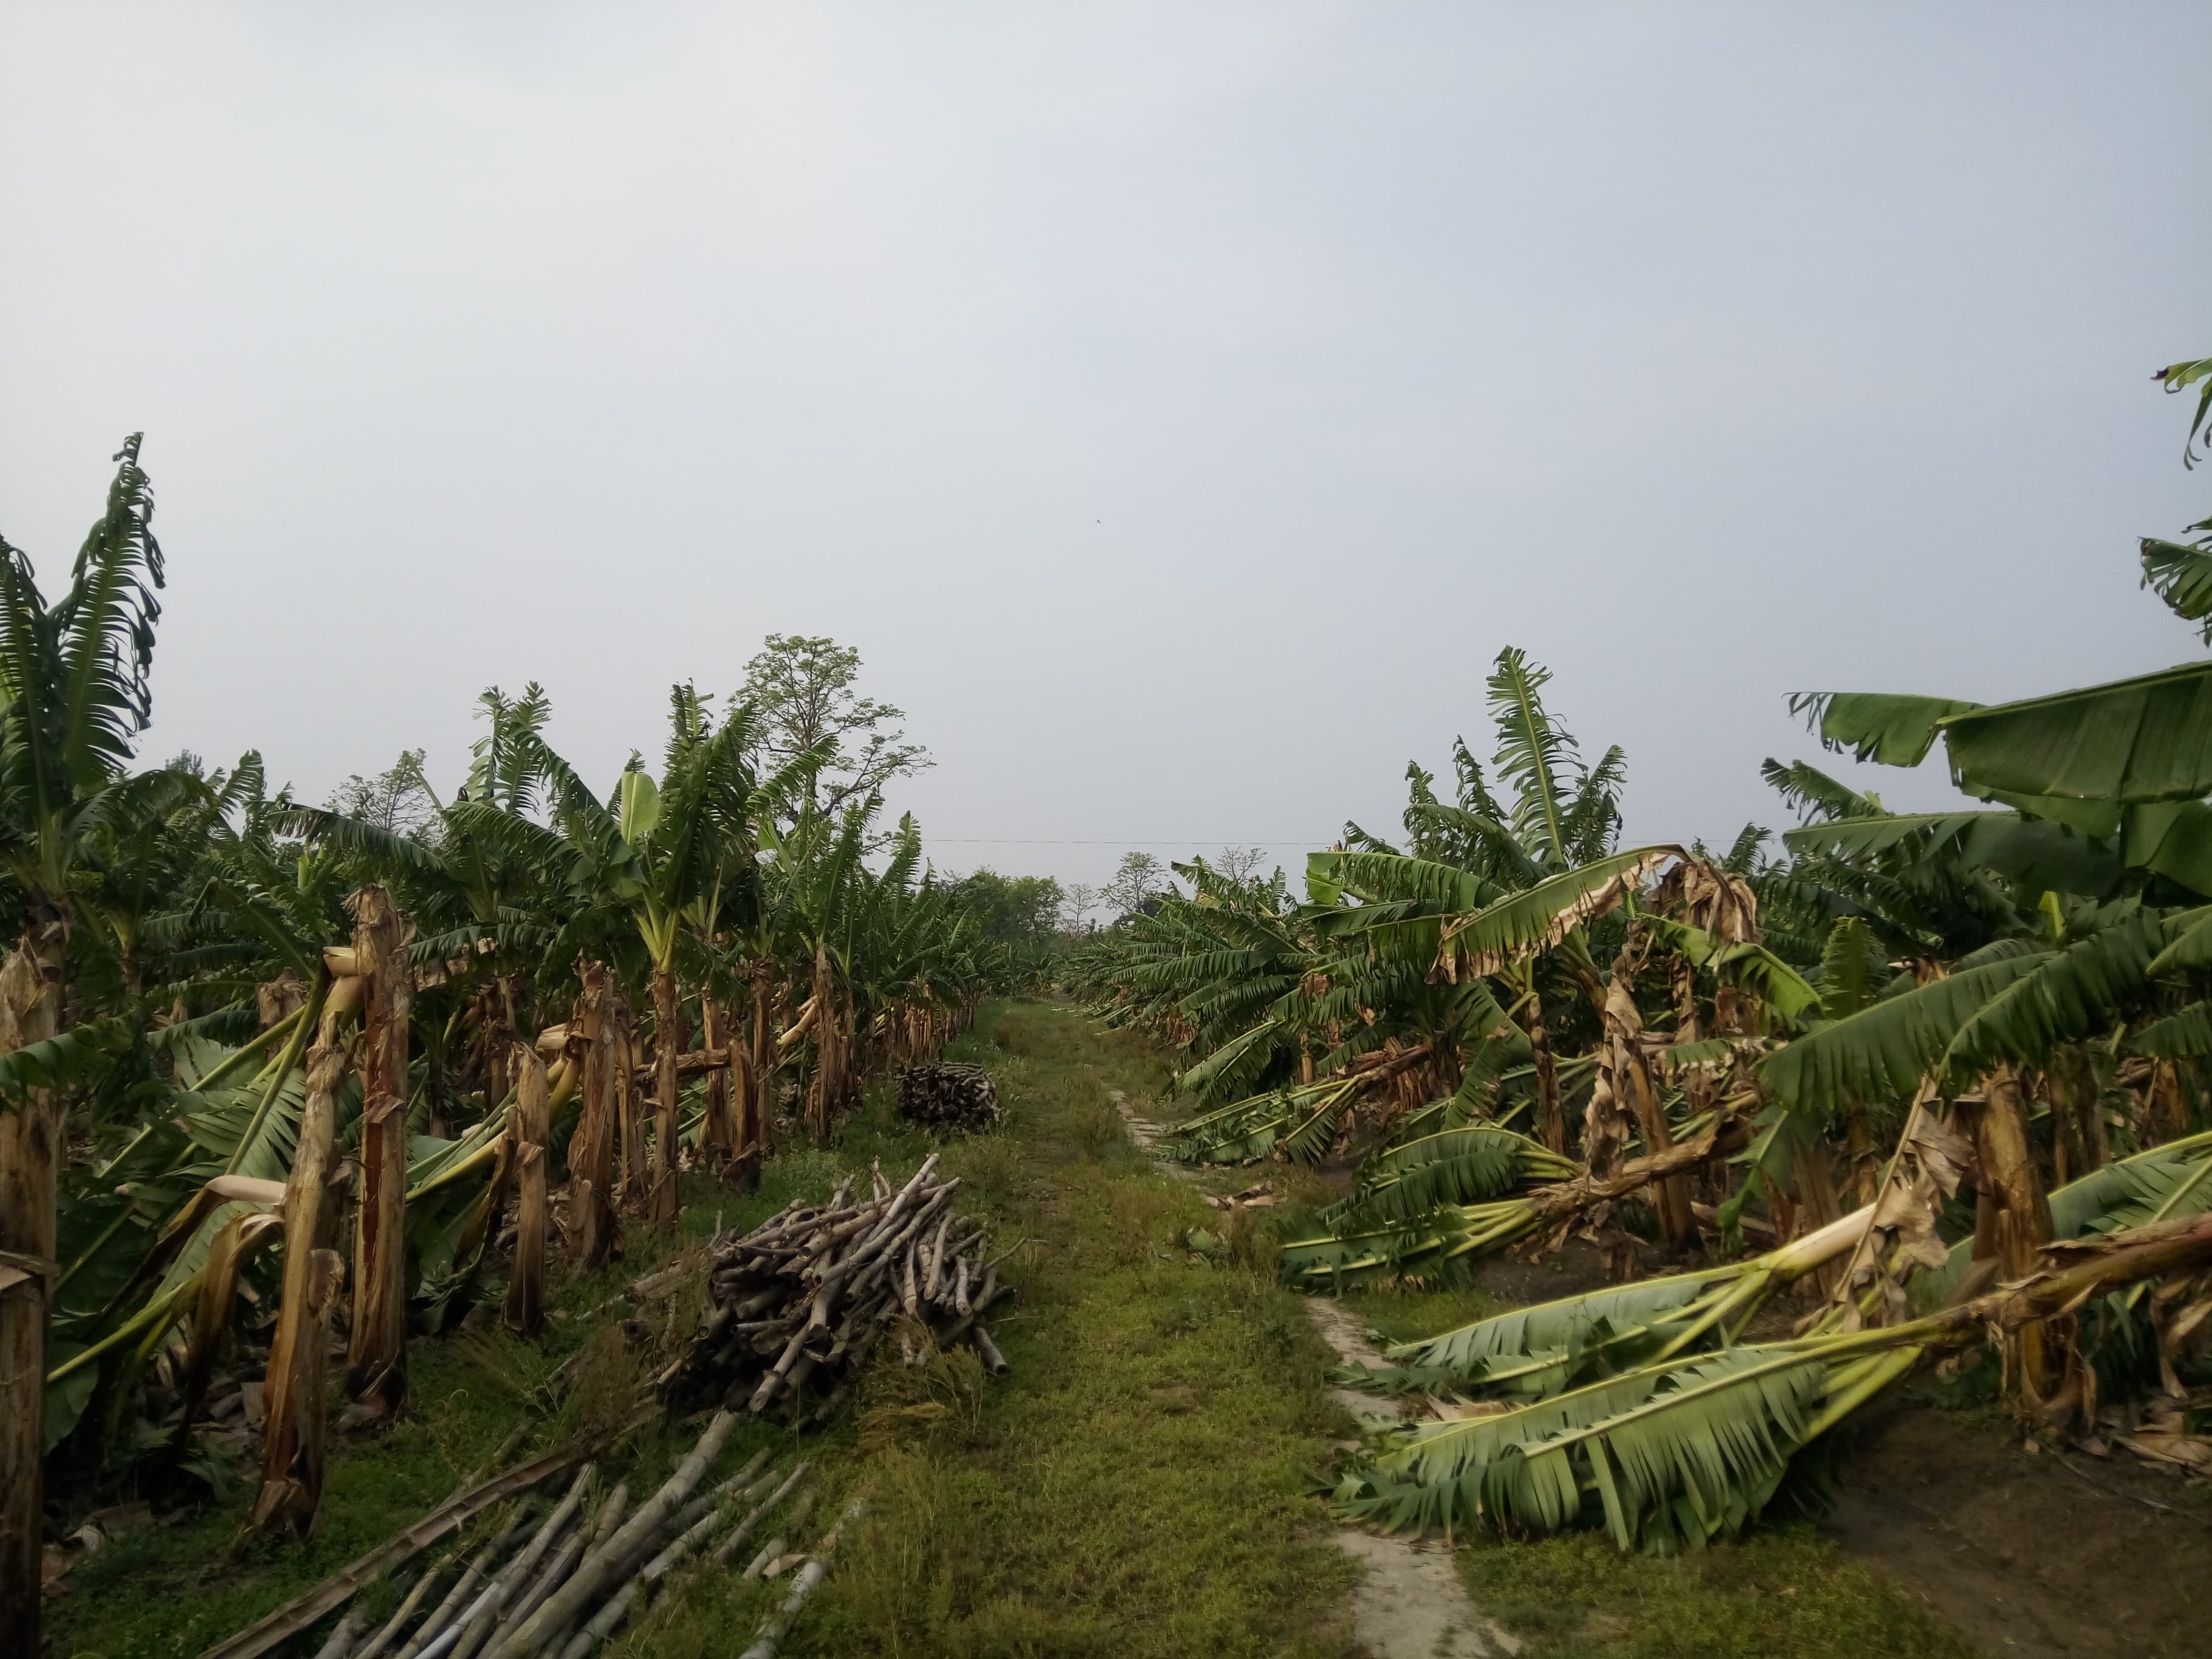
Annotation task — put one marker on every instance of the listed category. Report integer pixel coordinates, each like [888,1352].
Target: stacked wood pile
[798,1302]
[948,1095]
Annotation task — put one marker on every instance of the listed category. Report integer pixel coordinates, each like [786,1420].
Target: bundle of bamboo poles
[948,1095]
[557,1589]
[800,1300]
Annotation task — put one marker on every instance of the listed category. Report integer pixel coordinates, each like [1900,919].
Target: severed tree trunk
[1624,1030]
[2012,1216]
[1817,1202]
[526,1123]
[721,1139]
[755,1116]
[629,1129]
[1552,1114]
[667,1049]
[591,1149]
[30,1159]
[376,1355]
[828,1052]
[292,1432]
[2165,1113]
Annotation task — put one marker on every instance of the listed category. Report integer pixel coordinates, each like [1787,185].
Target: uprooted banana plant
[1639,1408]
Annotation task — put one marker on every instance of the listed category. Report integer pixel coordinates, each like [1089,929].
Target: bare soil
[2055,1555]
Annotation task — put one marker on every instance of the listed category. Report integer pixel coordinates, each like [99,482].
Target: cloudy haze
[1177,406]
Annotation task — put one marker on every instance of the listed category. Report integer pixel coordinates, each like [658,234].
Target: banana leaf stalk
[1537,1352]
[1689,1448]
[1301,1121]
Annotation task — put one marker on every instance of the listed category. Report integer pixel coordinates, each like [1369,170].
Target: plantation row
[232,1019]
[1946,1078]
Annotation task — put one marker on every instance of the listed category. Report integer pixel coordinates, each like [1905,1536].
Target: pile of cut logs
[797,1302]
[947,1096]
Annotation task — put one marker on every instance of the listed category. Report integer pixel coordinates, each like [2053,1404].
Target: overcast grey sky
[1178,405]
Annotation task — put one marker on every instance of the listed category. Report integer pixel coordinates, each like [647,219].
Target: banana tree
[74,694]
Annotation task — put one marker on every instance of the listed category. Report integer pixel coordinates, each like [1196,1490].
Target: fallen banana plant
[1688,1449]
[1465,1165]
[1533,1353]
[1444,1240]
[1301,1122]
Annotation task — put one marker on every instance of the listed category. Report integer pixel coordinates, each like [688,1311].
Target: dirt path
[2061,1556]
[1410,1603]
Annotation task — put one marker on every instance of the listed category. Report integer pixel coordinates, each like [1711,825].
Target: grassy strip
[1135,1487]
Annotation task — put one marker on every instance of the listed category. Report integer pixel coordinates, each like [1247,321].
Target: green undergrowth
[1137,1485]
[1783,1593]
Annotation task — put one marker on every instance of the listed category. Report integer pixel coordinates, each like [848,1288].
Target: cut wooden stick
[810,1578]
[736,1542]
[342,1639]
[514,1578]
[393,1626]
[303,1611]
[993,1361]
[460,1601]
[603,1566]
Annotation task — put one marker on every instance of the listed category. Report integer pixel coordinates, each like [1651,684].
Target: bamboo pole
[527,1122]
[376,1356]
[810,1578]
[304,1610]
[736,1539]
[513,1580]
[604,1564]
[558,1570]
[415,1598]
[450,1613]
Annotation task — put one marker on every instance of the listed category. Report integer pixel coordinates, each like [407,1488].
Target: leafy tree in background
[802,689]
[1021,912]
[1240,864]
[1139,881]
[397,800]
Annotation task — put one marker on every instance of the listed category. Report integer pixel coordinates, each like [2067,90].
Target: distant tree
[1078,899]
[1021,911]
[397,800]
[1240,864]
[803,688]
[1137,880]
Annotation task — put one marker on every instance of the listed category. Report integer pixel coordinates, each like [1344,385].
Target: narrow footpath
[1409,1603]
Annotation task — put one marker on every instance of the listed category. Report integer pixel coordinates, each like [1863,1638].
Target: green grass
[1137,1485]
[1783,1593]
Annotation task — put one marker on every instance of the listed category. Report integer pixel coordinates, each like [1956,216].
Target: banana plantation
[296,1096]
[279,1078]
[1906,1092]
